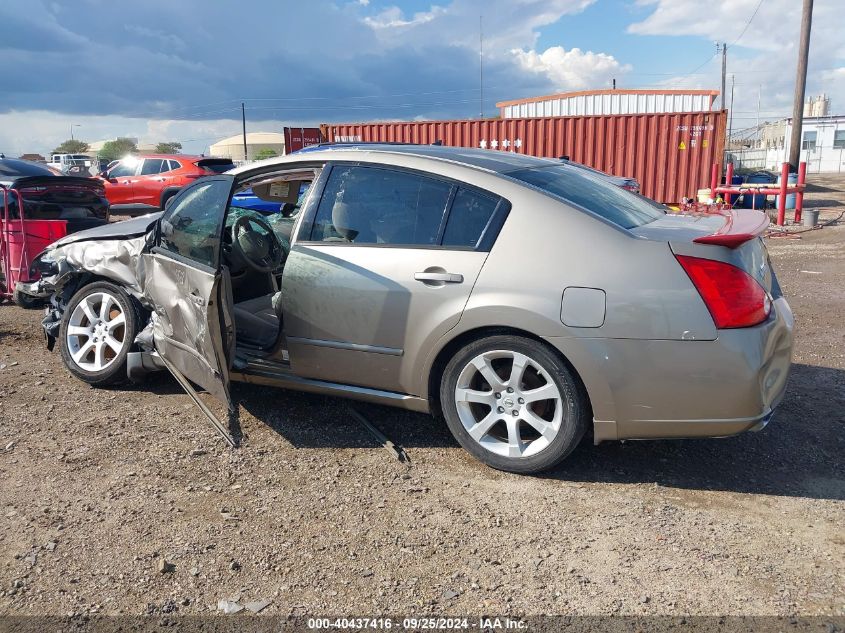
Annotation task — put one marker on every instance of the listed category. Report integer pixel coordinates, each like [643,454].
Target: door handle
[449,278]
[197,299]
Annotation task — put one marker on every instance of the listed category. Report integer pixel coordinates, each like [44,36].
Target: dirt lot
[99,485]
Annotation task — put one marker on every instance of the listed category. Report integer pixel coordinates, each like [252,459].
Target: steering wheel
[261,252]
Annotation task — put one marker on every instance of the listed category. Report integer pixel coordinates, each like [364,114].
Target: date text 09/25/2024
[418,624]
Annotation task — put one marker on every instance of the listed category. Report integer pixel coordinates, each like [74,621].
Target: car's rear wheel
[98,330]
[513,404]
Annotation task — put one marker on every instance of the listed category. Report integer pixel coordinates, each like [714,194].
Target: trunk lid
[733,236]
[62,198]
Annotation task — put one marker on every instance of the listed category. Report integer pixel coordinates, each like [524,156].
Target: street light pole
[73,125]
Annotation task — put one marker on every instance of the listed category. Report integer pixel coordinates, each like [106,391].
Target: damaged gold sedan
[523,299]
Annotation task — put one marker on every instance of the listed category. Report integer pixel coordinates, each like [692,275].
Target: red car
[144,183]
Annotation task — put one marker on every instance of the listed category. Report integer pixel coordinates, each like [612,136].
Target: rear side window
[173,164]
[471,214]
[593,193]
[153,166]
[370,205]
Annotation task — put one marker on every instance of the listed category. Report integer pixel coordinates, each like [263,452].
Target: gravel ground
[123,501]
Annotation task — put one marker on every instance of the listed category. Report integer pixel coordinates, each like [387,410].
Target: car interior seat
[258,321]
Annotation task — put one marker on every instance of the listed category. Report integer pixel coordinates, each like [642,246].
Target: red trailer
[36,211]
[670,154]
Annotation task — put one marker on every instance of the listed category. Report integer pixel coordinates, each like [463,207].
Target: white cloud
[392,18]
[764,58]
[506,25]
[572,69]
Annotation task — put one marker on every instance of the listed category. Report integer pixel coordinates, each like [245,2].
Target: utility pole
[243,121]
[731,114]
[724,70]
[481,65]
[800,86]
[759,131]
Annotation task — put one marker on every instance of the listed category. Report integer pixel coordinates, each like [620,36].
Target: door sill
[263,371]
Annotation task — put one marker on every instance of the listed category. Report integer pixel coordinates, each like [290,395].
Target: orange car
[145,183]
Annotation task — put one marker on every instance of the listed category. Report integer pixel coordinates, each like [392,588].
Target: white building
[597,102]
[233,147]
[822,145]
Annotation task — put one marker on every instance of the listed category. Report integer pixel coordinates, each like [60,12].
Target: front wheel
[513,404]
[97,331]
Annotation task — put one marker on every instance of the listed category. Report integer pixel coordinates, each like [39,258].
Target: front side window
[122,170]
[371,205]
[153,166]
[191,227]
[593,193]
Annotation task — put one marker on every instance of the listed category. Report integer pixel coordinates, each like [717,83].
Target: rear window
[11,168]
[216,165]
[593,193]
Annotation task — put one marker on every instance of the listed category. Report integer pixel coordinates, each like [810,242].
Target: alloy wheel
[96,331]
[508,403]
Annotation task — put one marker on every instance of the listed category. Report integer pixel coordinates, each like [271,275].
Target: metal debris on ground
[229,607]
[381,438]
[257,605]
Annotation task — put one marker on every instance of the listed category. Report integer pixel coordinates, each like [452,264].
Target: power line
[747,24]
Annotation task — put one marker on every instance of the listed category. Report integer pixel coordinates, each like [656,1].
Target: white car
[72,164]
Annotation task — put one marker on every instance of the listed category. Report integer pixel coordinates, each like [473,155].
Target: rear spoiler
[741,226]
[48,181]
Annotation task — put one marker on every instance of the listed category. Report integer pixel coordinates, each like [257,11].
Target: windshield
[592,192]
[216,165]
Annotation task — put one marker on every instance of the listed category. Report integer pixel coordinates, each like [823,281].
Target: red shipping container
[670,154]
[297,138]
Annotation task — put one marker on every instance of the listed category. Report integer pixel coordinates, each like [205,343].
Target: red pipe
[729,177]
[799,195]
[714,180]
[784,181]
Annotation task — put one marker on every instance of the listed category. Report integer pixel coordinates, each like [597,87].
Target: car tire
[26,301]
[522,423]
[95,341]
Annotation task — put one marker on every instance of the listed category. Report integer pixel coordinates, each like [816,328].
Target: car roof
[174,156]
[498,161]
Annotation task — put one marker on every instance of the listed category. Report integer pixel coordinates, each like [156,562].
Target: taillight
[733,297]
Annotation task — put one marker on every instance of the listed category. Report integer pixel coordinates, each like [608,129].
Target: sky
[162,70]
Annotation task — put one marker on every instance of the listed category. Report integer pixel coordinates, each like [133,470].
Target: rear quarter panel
[546,246]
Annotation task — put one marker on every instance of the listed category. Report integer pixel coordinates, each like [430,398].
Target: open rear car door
[185,281]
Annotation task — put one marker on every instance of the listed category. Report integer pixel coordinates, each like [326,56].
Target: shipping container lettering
[504,144]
